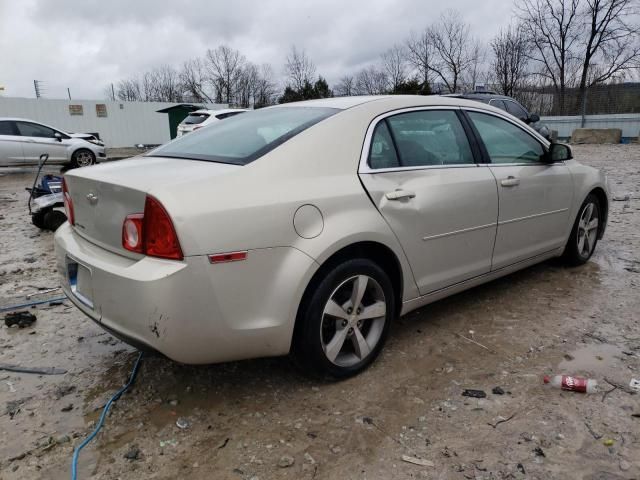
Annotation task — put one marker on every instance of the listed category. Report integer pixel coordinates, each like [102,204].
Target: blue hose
[76,452]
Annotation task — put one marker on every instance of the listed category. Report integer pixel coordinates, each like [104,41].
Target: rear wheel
[344,323]
[53,219]
[38,218]
[584,235]
[83,158]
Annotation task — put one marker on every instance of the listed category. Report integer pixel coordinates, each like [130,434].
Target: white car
[310,227]
[22,142]
[201,118]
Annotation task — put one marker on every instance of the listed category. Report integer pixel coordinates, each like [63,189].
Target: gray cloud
[85,45]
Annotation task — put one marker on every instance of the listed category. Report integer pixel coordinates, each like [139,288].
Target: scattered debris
[520,468]
[474,393]
[539,452]
[624,197]
[502,420]
[593,434]
[168,443]
[133,453]
[36,370]
[309,458]
[223,444]
[608,442]
[13,407]
[68,408]
[182,423]
[573,384]
[286,461]
[497,391]
[568,357]
[64,390]
[622,387]
[367,420]
[475,343]
[634,385]
[417,461]
[22,319]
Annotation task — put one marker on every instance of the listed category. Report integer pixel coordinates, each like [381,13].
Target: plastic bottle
[574,384]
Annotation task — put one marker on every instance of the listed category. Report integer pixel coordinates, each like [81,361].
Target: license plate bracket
[80,282]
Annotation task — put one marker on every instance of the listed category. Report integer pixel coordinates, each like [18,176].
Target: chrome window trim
[363,166]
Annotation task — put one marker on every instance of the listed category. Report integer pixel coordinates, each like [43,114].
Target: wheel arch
[377,252]
[600,194]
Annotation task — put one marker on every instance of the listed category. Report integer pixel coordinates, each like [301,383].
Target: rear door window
[28,129]
[382,153]
[430,137]
[6,128]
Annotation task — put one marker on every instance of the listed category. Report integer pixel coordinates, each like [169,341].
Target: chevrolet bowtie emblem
[92,197]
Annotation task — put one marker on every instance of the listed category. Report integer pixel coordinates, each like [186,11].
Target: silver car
[308,228]
[22,142]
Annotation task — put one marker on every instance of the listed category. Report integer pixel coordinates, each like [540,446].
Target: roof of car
[480,95]
[385,101]
[219,111]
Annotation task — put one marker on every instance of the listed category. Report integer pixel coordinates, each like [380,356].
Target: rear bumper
[190,311]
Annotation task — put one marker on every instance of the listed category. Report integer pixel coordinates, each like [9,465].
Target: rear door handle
[399,194]
[510,181]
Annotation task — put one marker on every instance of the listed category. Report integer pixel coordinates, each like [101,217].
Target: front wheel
[584,235]
[82,158]
[344,323]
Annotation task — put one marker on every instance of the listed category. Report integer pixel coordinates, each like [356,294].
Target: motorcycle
[46,201]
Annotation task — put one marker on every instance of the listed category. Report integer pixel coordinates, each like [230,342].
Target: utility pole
[37,85]
[113,93]
[69,93]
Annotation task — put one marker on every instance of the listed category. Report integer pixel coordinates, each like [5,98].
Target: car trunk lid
[104,195]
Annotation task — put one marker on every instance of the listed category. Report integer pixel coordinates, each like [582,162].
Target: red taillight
[68,203]
[151,233]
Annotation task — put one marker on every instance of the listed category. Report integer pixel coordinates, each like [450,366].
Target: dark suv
[509,105]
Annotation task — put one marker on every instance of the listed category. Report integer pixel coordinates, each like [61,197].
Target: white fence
[629,123]
[120,124]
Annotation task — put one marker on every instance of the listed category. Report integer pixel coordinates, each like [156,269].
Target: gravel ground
[260,419]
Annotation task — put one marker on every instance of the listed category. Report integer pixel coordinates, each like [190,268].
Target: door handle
[399,194]
[510,181]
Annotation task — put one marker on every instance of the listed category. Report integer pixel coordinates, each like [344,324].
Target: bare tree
[129,90]
[225,66]
[510,59]
[454,52]
[371,81]
[420,54]
[553,29]
[194,79]
[299,69]
[394,66]
[611,41]
[266,88]
[345,87]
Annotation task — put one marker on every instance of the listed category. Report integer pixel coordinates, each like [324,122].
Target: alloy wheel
[353,320]
[84,159]
[587,229]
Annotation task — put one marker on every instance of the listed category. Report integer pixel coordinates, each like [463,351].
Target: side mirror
[559,152]
[58,136]
[533,118]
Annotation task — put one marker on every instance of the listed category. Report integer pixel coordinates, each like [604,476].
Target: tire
[584,234]
[53,219]
[341,343]
[38,218]
[82,158]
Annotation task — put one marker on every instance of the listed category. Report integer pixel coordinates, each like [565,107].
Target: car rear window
[244,138]
[195,118]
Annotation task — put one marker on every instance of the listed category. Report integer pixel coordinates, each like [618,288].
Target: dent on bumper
[193,311]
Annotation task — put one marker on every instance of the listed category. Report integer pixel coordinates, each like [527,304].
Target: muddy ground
[260,419]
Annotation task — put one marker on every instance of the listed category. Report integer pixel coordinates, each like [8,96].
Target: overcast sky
[87,44]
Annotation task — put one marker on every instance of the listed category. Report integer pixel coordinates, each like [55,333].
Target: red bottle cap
[546,379]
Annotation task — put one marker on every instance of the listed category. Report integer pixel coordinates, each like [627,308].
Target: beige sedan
[307,228]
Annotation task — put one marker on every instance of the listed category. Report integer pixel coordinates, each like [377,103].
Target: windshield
[242,139]
[195,118]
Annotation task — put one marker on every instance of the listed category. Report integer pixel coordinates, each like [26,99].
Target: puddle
[596,360]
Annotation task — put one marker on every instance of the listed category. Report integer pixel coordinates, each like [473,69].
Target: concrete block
[596,135]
